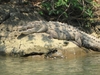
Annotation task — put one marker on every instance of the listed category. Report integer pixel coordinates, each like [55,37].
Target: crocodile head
[33,27]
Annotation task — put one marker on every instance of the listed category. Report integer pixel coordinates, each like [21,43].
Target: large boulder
[37,43]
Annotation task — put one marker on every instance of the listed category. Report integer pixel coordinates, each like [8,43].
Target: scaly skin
[62,31]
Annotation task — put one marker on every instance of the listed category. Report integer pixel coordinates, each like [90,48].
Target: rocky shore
[34,45]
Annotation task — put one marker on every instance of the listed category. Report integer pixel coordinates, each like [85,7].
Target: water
[87,65]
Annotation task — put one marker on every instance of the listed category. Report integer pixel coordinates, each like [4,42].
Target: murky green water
[88,65]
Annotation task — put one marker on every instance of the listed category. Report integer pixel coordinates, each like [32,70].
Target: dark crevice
[47,54]
[32,54]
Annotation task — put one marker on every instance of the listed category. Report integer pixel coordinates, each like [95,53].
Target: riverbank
[36,45]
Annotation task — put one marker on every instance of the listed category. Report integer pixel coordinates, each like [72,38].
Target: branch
[63,12]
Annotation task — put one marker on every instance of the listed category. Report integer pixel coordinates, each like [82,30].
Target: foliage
[69,9]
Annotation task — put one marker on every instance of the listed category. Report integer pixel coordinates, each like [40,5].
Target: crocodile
[62,31]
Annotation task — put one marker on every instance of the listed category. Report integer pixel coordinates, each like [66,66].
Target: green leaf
[40,12]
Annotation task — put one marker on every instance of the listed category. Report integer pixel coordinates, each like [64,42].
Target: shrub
[80,10]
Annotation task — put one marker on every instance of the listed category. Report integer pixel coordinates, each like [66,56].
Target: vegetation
[70,11]
[80,11]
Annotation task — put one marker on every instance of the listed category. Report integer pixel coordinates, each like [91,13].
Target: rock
[39,43]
